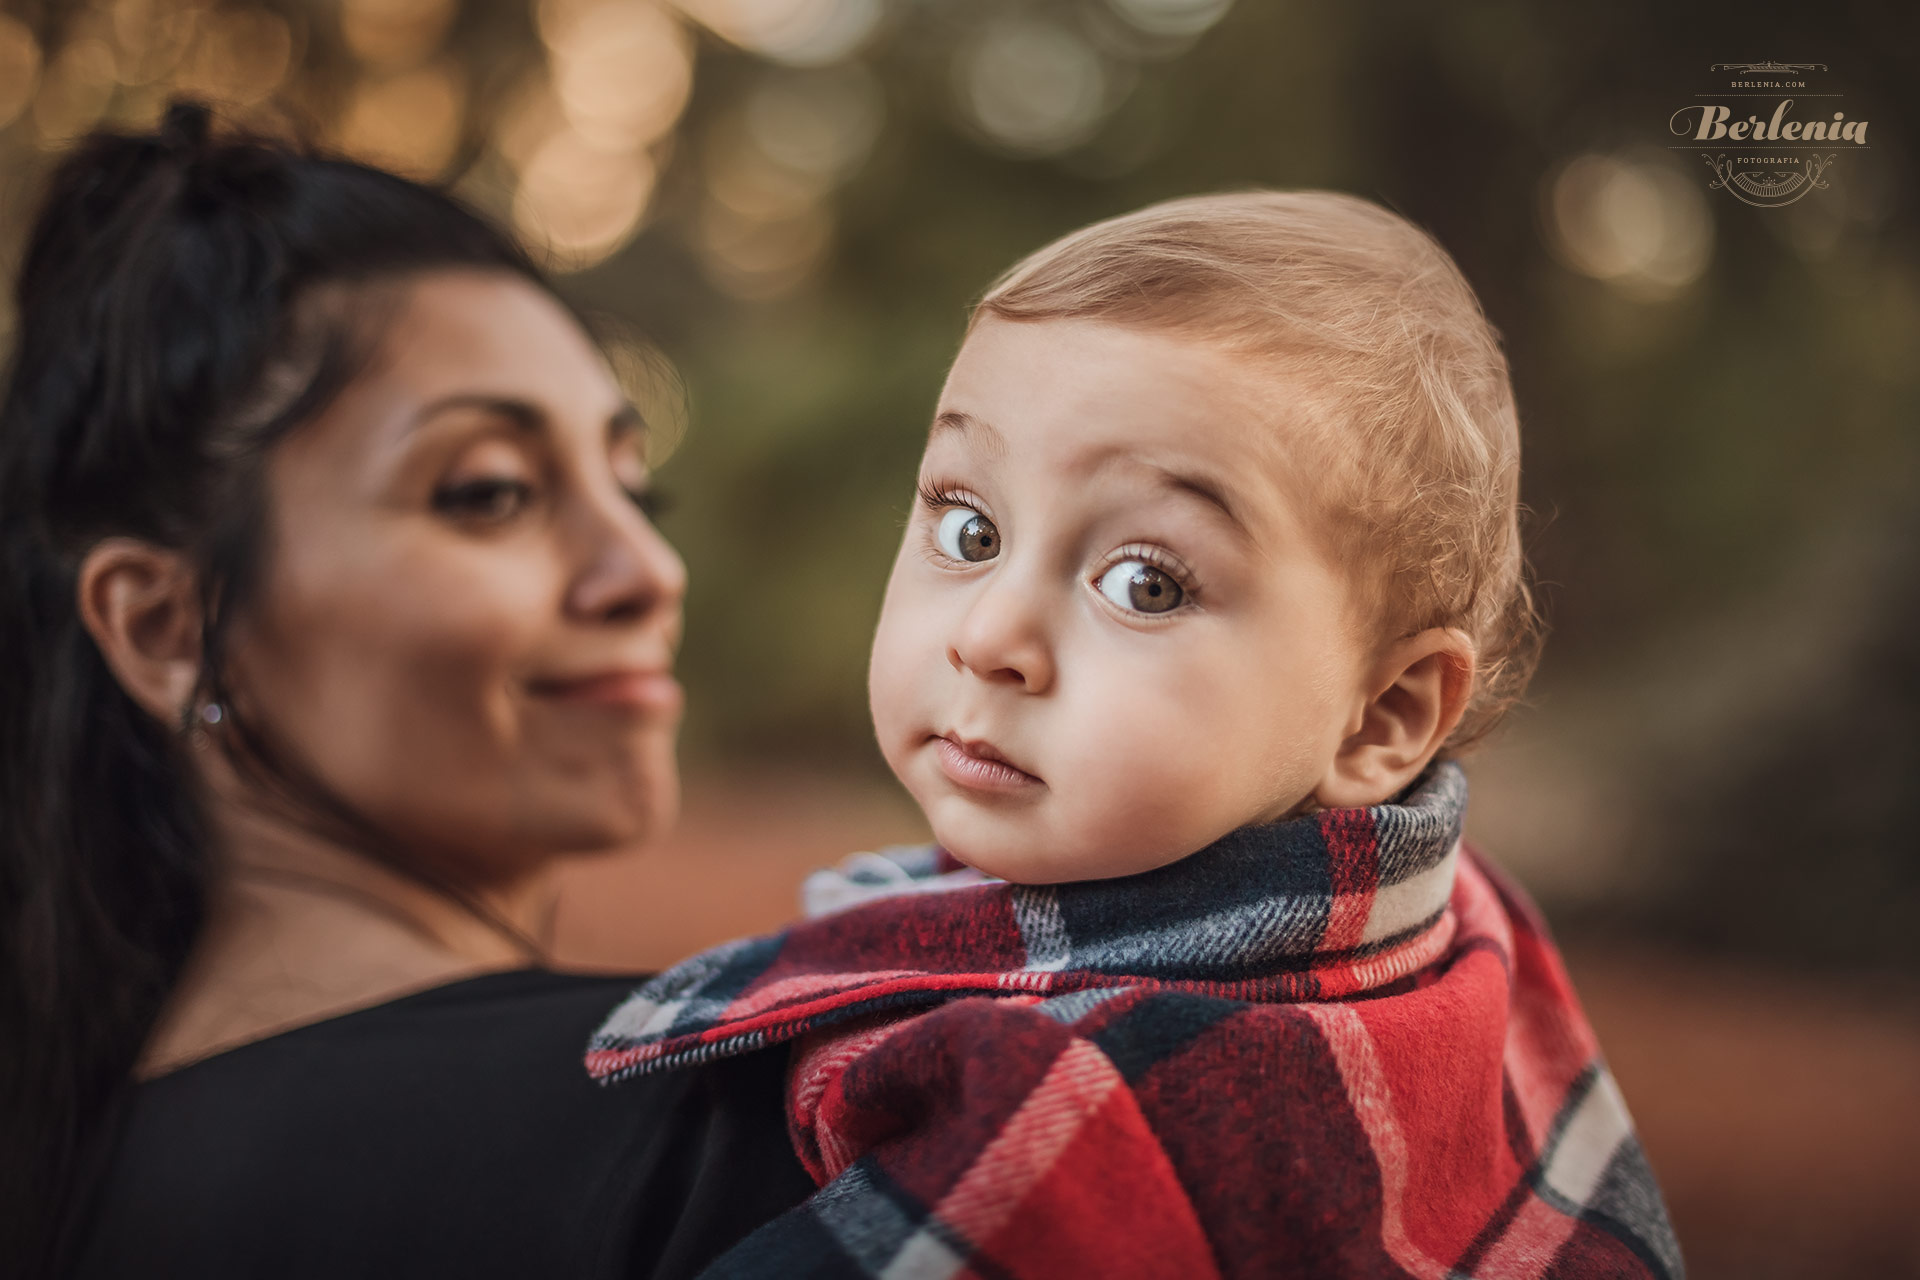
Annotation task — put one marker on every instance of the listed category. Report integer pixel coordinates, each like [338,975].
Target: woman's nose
[631,571]
[1002,636]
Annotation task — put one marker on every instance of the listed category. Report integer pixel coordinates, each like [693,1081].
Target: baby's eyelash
[935,496]
[1160,560]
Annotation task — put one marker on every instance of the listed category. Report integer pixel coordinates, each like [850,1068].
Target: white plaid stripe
[1037,913]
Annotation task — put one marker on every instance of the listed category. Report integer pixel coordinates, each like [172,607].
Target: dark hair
[166,341]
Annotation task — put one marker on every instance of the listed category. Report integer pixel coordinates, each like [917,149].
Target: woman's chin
[631,827]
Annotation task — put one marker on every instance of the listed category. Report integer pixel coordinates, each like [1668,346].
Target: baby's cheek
[1141,725]
[1141,771]
[899,692]
[890,695]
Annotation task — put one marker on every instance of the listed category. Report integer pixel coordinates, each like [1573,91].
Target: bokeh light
[239,57]
[76,87]
[622,69]
[1031,84]
[762,226]
[151,36]
[742,178]
[395,34]
[579,201]
[797,32]
[19,68]
[770,167]
[529,116]
[818,122]
[587,133]
[762,258]
[1632,220]
[1172,17]
[409,121]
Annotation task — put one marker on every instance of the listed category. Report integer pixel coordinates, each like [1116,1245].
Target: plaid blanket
[1337,1045]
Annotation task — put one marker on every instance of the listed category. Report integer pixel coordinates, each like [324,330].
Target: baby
[1214,574]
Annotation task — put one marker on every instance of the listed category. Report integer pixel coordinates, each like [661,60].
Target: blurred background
[784,208]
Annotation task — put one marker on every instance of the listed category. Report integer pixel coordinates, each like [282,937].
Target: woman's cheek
[421,711]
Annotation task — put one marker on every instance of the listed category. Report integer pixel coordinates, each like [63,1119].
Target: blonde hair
[1410,423]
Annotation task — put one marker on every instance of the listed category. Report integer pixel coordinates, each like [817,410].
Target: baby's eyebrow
[1215,494]
[1208,491]
[966,424]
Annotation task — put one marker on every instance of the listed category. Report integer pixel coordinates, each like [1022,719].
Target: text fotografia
[1715,123]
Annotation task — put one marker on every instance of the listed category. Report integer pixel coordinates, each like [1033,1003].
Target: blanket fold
[1336,1045]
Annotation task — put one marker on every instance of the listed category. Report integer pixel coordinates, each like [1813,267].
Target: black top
[453,1132]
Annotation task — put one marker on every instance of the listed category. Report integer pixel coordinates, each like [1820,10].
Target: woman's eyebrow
[521,413]
[524,415]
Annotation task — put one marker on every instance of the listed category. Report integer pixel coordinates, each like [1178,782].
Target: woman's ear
[1418,691]
[141,604]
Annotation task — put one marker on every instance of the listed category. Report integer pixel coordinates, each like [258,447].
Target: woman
[333,619]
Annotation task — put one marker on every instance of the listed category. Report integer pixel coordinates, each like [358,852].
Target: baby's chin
[1043,838]
[1036,860]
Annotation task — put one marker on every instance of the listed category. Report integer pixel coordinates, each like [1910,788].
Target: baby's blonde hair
[1410,421]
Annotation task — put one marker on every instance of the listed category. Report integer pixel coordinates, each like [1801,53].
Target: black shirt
[453,1132]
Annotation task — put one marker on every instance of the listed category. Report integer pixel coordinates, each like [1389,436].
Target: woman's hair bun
[185,127]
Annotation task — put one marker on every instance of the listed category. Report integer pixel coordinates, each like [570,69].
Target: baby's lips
[976,762]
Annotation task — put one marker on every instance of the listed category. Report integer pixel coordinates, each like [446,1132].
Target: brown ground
[1782,1116]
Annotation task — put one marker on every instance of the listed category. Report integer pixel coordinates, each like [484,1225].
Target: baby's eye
[965,534]
[1137,585]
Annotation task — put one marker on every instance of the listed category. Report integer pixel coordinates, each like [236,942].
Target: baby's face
[1108,639]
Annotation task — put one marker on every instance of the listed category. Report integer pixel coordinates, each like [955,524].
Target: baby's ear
[1413,697]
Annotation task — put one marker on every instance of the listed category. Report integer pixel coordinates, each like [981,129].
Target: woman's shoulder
[526,1024]
[454,1127]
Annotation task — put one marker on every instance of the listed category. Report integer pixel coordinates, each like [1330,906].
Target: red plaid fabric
[1338,1045]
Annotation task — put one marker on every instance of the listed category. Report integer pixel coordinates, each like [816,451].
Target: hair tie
[184,129]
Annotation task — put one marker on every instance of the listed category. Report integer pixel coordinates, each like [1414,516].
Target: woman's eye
[965,534]
[1137,585]
[491,499]
[652,501]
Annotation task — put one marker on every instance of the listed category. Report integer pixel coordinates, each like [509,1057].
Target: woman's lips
[977,772]
[638,690]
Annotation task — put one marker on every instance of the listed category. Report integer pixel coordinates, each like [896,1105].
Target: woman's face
[465,624]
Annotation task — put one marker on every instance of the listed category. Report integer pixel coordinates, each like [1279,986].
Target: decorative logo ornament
[1768,68]
[1766,188]
[1786,157]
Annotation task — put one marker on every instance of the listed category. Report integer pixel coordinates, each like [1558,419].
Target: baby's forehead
[1085,402]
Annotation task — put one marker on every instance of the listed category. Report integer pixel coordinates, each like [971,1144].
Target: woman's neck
[301,927]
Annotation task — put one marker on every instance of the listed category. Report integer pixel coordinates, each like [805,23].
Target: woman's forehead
[462,338]
[478,335]
[459,325]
